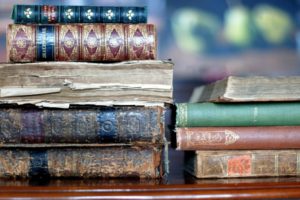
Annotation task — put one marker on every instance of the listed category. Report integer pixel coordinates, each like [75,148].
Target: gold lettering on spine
[44,43]
[298,163]
[276,165]
[225,137]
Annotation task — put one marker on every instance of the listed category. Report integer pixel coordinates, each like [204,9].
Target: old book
[242,163]
[60,84]
[234,138]
[81,42]
[247,89]
[81,125]
[50,14]
[238,114]
[85,162]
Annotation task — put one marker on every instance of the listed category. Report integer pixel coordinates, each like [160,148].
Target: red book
[234,138]
[81,42]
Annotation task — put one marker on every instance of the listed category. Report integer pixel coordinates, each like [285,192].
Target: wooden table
[178,185]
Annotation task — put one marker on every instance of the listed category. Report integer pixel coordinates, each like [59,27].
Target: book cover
[51,14]
[237,138]
[238,114]
[242,163]
[249,89]
[81,42]
[81,125]
[82,162]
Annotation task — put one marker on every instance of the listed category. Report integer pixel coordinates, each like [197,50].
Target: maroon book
[81,42]
[234,138]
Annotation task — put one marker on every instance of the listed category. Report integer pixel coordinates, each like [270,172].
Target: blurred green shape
[274,24]
[238,26]
[184,24]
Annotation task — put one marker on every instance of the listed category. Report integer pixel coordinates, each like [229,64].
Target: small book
[51,14]
[238,114]
[238,138]
[81,42]
[249,89]
[242,163]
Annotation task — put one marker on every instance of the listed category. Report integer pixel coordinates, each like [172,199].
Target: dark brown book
[247,89]
[81,125]
[115,161]
[242,163]
[247,138]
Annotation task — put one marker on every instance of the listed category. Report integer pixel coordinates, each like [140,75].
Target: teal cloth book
[238,114]
[50,14]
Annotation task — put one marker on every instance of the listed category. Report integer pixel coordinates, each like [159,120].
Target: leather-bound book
[81,125]
[84,162]
[242,163]
[81,42]
[51,14]
[249,89]
[238,114]
[236,138]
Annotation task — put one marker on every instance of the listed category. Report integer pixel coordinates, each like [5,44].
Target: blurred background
[210,39]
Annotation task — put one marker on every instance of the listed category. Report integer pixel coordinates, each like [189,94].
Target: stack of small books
[83,119]
[242,127]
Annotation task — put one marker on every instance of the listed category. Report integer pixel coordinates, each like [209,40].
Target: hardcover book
[248,89]
[81,125]
[242,163]
[81,42]
[61,84]
[85,162]
[236,138]
[238,114]
[50,14]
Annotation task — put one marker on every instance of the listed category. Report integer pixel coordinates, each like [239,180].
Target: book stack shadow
[242,127]
[83,94]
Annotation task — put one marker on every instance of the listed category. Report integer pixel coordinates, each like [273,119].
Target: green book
[238,114]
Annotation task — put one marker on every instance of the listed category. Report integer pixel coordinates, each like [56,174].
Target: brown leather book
[81,42]
[243,163]
[111,161]
[221,138]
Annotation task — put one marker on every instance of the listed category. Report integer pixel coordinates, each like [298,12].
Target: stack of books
[83,119]
[242,127]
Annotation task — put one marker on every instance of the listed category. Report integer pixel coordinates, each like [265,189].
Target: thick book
[238,114]
[50,14]
[236,138]
[84,162]
[242,163]
[61,84]
[249,89]
[81,125]
[81,42]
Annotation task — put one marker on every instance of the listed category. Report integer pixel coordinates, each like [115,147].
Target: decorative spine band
[50,14]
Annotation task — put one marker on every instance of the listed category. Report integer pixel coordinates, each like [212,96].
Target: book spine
[259,163]
[105,125]
[238,114]
[235,138]
[81,162]
[50,14]
[81,42]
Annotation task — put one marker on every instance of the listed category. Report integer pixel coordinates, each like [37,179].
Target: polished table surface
[177,185]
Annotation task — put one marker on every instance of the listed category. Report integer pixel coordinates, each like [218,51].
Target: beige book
[247,89]
[61,84]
